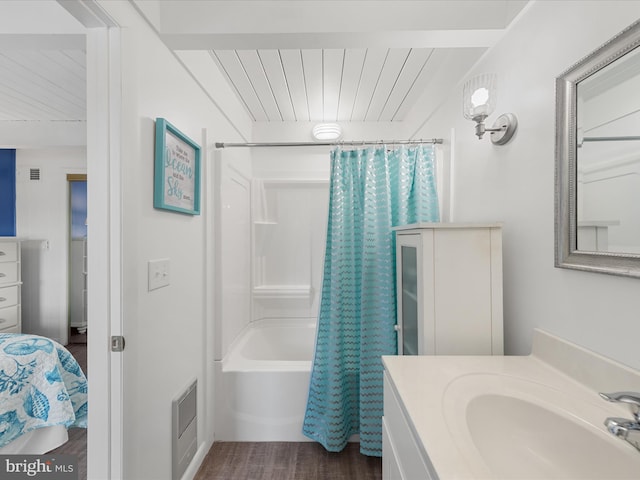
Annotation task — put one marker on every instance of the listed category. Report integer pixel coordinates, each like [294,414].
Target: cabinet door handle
[2,253]
[3,320]
[2,299]
[2,275]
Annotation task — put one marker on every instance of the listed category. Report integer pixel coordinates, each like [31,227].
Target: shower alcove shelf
[278,292]
[288,224]
[449,283]
[270,293]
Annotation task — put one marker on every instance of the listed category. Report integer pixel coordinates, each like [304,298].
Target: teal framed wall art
[176,170]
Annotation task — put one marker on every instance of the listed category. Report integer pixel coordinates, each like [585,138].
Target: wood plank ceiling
[287,61]
[43,84]
[42,64]
[345,85]
[335,60]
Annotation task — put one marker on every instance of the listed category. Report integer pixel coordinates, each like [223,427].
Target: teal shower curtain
[371,191]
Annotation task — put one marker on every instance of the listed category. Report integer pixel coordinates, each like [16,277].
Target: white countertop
[429,388]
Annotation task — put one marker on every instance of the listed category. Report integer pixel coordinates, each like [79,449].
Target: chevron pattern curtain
[371,191]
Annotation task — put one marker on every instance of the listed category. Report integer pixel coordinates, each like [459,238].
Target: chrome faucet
[628,430]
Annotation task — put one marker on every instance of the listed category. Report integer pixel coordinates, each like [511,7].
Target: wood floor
[286,461]
[253,460]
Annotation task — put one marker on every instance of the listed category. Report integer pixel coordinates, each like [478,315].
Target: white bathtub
[263,382]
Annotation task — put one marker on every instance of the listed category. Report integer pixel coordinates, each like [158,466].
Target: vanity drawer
[8,272]
[8,296]
[8,251]
[8,317]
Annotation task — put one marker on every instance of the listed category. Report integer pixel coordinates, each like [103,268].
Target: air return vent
[184,434]
[34,174]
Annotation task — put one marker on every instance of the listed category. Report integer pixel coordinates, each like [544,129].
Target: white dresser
[449,284]
[10,285]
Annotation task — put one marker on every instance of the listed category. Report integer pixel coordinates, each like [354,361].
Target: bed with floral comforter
[41,385]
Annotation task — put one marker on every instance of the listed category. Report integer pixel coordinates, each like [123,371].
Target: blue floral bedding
[41,385]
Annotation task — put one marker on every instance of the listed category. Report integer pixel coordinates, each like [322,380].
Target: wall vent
[34,174]
[184,433]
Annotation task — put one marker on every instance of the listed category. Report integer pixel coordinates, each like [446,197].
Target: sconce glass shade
[326,131]
[479,96]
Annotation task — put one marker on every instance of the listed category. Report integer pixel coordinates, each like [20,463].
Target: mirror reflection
[608,158]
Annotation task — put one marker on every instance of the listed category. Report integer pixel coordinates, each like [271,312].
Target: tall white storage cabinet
[10,282]
[449,284]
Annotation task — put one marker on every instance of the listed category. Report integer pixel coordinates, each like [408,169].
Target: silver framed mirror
[597,194]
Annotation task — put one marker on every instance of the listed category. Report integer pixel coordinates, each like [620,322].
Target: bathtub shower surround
[261,385]
[269,299]
[371,191]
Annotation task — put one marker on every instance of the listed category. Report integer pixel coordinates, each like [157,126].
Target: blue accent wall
[7,193]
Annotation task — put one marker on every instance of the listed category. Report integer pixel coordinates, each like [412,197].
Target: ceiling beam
[398,39]
[89,13]
[42,133]
[16,41]
[331,16]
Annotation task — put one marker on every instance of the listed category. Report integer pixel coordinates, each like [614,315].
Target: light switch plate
[159,275]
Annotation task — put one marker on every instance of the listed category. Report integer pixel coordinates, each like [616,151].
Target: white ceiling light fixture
[326,131]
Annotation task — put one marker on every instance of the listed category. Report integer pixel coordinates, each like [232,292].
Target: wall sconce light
[479,101]
[326,131]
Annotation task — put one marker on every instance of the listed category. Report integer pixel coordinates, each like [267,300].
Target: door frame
[105,435]
[104,218]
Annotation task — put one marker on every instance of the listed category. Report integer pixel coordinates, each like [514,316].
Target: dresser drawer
[8,296]
[8,251]
[8,317]
[8,272]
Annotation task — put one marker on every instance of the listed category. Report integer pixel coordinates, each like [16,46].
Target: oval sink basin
[507,427]
[519,439]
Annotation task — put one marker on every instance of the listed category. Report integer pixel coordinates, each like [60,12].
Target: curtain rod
[329,144]
[610,139]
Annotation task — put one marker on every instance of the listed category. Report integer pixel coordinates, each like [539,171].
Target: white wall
[515,183]
[167,331]
[42,212]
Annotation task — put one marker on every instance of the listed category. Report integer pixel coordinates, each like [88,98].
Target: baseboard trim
[197,460]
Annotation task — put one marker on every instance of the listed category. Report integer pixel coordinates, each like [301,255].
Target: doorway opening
[78,319]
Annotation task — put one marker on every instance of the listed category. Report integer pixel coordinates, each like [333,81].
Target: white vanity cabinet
[403,457]
[449,284]
[10,282]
